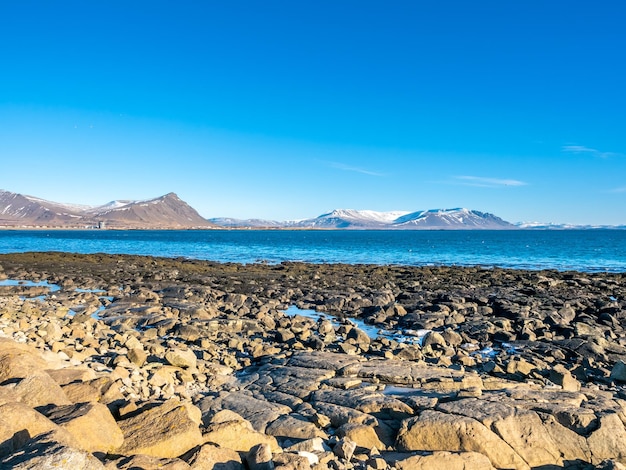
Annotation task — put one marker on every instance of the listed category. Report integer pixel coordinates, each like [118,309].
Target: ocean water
[581,250]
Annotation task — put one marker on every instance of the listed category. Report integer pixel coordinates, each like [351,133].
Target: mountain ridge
[163,212]
[433,219]
[171,212]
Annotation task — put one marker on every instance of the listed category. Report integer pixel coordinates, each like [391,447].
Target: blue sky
[289,109]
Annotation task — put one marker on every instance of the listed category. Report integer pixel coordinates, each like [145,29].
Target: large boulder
[166,431]
[609,440]
[49,451]
[38,389]
[18,360]
[91,424]
[184,358]
[537,437]
[19,422]
[212,457]
[231,431]
[437,431]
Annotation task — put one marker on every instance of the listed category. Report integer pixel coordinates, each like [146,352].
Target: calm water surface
[583,250]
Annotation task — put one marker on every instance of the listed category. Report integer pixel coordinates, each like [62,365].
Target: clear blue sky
[288,109]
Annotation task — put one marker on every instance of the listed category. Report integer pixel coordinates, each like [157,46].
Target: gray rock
[619,371]
[260,458]
[344,449]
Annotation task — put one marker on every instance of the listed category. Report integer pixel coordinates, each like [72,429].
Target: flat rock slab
[409,373]
[373,403]
[258,412]
[296,427]
[296,381]
[323,360]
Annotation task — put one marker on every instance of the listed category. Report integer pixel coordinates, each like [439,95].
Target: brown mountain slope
[165,212]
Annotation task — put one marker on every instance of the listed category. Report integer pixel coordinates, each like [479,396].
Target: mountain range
[165,212]
[171,212]
[434,219]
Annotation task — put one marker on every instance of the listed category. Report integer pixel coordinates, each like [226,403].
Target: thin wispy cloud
[344,167]
[581,149]
[483,182]
[618,190]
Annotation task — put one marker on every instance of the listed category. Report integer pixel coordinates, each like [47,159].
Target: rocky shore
[138,362]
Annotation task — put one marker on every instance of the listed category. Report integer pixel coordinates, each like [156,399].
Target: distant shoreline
[313,229]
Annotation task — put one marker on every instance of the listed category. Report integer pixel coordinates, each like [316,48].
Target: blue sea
[581,250]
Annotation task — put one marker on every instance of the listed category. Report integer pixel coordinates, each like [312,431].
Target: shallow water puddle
[56,288]
[410,336]
[89,291]
[24,283]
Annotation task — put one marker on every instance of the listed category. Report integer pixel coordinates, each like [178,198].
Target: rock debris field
[132,362]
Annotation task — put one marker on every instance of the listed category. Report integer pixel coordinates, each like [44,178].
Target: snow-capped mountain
[234,223]
[435,219]
[553,226]
[350,218]
[169,211]
[17,208]
[452,219]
